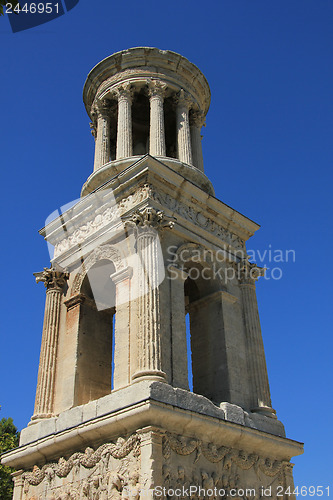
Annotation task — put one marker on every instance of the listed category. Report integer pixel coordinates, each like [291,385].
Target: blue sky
[267,150]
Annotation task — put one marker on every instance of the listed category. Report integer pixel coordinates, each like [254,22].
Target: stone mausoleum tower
[145,246]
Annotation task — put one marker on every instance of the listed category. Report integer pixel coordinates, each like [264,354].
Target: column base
[153,375]
[38,417]
[267,411]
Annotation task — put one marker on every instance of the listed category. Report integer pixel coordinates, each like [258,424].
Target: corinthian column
[102,135]
[54,282]
[124,128]
[248,275]
[147,223]
[183,128]
[156,91]
[197,121]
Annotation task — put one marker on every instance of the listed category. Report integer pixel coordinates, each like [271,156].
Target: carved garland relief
[101,474]
[209,466]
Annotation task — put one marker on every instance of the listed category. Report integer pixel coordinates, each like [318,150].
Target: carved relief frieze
[197,218]
[190,461]
[101,474]
[114,213]
[110,214]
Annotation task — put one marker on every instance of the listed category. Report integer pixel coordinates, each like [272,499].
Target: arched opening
[170,127]
[113,129]
[95,334]
[140,123]
[189,352]
[207,356]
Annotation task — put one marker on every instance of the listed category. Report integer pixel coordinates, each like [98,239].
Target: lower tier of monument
[152,441]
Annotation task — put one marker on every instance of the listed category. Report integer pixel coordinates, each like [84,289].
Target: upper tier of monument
[146,101]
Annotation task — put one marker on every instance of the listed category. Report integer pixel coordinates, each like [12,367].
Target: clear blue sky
[267,149]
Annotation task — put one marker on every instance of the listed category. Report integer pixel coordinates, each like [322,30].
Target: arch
[94,317]
[203,289]
[104,252]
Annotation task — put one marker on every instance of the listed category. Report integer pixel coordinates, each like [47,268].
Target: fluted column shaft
[54,282]
[149,362]
[124,127]
[197,121]
[255,348]
[147,224]
[156,92]
[102,144]
[183,128]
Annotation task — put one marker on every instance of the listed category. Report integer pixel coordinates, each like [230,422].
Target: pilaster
[177,278]
[122,342]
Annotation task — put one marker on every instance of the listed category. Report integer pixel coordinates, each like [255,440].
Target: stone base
[147,436]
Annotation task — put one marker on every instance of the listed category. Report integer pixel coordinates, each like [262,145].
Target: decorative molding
[74,301]
[88,459]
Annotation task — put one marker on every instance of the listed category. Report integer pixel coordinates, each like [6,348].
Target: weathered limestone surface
[183,128]
[124,137]
[150,274]
[157,91]
[185,431]
[102,147]
[54,282]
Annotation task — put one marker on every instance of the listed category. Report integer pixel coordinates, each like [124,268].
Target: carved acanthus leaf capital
[150,218]
[183,99]
[101,107]
[52,278]
[248,272]
[197,119]
[156,88]
[124,91]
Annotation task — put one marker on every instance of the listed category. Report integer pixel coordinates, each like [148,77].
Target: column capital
[124,91]
[156,88]
[52,278]
[248,272]
[197,119]
[150,218]
[183,99]
[101,107]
